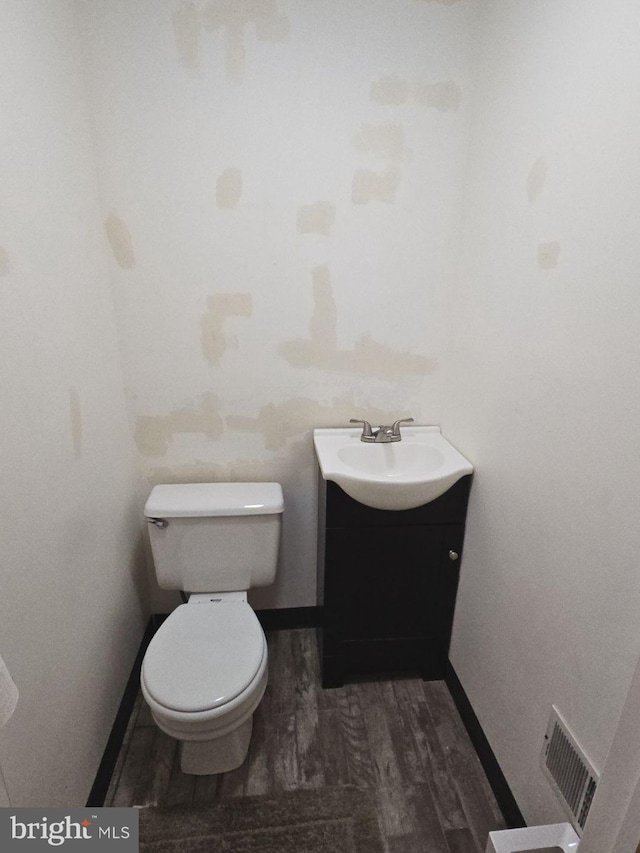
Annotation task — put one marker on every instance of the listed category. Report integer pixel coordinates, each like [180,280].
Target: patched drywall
[286,467]
[316,218]
[286,239]
[154,433]
[320,348]
[392,91]
[383,140]
[368,186]
[536,179]
[229,189]
[548,255]
[187,28]
[221,307]
[233,19]
[278,423]
[120,241]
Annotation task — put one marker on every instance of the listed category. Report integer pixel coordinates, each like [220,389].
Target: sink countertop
[390,475]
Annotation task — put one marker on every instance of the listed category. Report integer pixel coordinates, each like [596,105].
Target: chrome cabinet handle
[453,555]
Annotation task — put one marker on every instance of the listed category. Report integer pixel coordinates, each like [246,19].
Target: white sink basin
[398,475]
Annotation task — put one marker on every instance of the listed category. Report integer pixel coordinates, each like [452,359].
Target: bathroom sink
[396,475]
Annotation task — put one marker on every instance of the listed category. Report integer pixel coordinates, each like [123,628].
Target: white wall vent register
[569,770]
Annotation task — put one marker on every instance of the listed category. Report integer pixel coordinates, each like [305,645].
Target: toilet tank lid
[192,500]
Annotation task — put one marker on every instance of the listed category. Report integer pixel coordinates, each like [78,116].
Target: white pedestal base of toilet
[208,757]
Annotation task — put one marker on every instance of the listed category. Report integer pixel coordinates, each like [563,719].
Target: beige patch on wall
[443,95]
[368,186]
[548,255]
[271,25]
[186,33]
[278,423]
[536,179]
[320,349]
[154,433]
[316,218]
[382,140]
[120,241]
[220,308]
[75,421]
[229,189]
[390,91]
[4,262]
[285,468]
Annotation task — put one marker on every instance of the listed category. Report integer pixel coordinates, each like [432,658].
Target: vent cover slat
[569,770]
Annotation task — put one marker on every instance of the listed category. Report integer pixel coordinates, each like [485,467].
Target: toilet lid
[203,655]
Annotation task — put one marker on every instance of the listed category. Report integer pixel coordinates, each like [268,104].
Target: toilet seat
[204,656]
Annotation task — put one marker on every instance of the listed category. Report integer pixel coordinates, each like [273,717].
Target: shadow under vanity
[387,582]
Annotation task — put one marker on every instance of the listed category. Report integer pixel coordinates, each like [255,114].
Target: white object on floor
[532,838]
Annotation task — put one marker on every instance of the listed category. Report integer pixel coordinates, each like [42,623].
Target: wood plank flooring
[402,738]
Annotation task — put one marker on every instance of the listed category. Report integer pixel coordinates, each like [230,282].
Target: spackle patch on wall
[382,140]
[120,241]
[153,433]
[368,186]
[271,25]
[4,262]
[317,218]
[280,422]
[221,306]
[548,255]
[75,420]
[186,32]
[283,468]
[536,179]
[229,189]
[320,349]
[391,91]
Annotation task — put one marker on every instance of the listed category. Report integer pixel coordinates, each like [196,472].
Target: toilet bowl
[205,670]
[203,676]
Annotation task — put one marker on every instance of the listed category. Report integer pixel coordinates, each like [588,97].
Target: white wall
[280,205]
[543,368]
[70,588]
[281,184]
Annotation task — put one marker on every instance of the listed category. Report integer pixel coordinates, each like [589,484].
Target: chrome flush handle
[159,522]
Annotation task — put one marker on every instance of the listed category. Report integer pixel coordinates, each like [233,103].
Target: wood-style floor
[402,738]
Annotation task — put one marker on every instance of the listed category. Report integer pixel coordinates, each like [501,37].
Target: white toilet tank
[215,537]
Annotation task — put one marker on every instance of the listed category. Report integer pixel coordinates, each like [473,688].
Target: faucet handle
[366,427]
[395,429]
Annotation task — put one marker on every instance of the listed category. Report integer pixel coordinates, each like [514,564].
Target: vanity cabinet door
[389,597]
[383,582]
[388,583]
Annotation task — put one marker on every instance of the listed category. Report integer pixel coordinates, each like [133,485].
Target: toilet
[205,670]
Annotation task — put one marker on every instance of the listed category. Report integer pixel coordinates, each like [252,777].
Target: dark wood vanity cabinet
[387,582]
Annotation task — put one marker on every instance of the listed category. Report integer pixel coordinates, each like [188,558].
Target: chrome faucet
[382,435]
